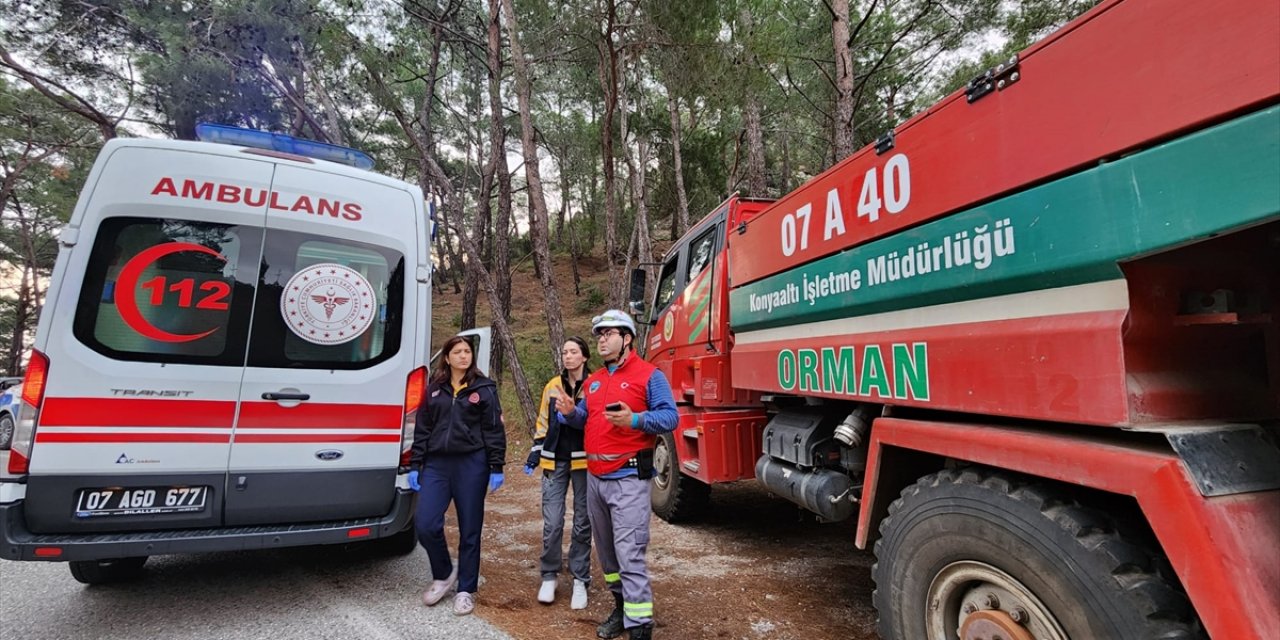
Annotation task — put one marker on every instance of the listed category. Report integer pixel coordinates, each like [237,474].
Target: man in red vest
[626,404]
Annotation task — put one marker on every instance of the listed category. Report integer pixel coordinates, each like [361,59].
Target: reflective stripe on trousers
[619,511]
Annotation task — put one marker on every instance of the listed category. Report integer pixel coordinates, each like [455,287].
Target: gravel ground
[311,594]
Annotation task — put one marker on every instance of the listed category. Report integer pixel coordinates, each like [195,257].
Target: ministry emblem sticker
[328,304]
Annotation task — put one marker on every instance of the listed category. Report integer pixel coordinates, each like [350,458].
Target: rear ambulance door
[146,344]
[319,430]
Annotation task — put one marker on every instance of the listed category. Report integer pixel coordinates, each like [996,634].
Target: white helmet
[613,318]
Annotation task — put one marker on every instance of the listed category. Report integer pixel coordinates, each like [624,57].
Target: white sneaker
[547,593]
[579,600]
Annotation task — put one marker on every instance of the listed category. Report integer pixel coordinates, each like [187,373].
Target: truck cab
[690,343]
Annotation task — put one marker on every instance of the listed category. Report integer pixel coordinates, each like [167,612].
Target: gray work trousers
[555,484]
[620,525]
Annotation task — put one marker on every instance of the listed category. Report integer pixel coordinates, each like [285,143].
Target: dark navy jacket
[470,421]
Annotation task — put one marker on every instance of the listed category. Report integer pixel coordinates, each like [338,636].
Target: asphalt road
[310,593]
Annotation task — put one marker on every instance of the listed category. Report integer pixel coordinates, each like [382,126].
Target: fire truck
[1029,339]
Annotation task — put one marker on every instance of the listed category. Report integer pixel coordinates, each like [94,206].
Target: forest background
[564,142]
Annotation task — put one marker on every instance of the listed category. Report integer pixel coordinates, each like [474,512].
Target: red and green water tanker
[1030,339]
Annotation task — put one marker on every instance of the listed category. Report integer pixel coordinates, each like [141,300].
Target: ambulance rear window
[326,303]
[172,291]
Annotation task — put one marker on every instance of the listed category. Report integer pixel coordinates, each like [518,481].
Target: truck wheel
[675,497]
[6,432]
[107,571]
[977,553]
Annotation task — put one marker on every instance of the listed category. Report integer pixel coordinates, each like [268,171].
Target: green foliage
[45,155]
[592,300]
[1019,25]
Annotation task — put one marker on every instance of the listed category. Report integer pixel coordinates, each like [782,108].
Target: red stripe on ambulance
[111,412]
[114,412]
[318,438]
[100,438]
[321,416]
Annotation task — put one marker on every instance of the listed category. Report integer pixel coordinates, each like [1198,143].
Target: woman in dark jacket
[459,447]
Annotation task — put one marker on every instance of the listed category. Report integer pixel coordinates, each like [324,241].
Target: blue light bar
[241,137]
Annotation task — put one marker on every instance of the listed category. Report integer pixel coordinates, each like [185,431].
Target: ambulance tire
[107,571]
[1002,546]
[674,496]
[6,432]
[399,544]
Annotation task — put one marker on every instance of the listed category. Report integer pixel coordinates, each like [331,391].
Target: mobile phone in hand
[613,406]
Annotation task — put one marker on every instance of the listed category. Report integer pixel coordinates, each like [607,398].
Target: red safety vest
[609,447]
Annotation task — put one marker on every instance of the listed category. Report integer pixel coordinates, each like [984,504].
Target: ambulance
[230,356]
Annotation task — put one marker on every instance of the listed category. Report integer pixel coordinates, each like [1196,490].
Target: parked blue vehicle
[10,396]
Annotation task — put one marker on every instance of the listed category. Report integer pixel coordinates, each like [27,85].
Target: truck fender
[1212,542]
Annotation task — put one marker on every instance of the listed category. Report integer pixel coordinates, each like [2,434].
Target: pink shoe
[440,588]
[463,604]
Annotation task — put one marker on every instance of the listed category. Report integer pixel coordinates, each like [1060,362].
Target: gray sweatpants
[620,525]
[555,484]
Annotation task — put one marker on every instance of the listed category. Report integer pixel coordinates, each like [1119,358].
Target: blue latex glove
[495,481]
[413,481]
[528,470]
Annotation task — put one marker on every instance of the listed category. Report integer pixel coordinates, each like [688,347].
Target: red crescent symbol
[127,284]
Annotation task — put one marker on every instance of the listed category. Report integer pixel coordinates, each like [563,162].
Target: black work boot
[642,632]
[612,626]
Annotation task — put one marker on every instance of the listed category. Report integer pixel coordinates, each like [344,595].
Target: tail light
[414,390]
[24,428]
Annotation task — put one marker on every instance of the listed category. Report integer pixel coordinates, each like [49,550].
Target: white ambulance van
[230,356]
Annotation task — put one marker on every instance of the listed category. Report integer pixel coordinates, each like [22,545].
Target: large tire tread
[1139,574]
[689,497]
[690,500]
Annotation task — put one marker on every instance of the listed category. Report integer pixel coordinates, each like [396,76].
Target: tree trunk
[17,341]
[644,243]
[575,254]
[538,226]
[607,71]
[844,79]
[682,200]
[641,245]
[562,215]
[756,184]
[784,184]
[480,232]
[501,173]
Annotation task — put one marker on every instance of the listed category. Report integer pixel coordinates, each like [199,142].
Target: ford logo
[328,455]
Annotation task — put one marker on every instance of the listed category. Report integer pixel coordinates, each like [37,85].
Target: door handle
[284,395]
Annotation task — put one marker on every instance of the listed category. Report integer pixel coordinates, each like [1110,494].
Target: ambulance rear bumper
[17,543]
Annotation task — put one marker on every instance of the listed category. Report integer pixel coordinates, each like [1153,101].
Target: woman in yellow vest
[558,451]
